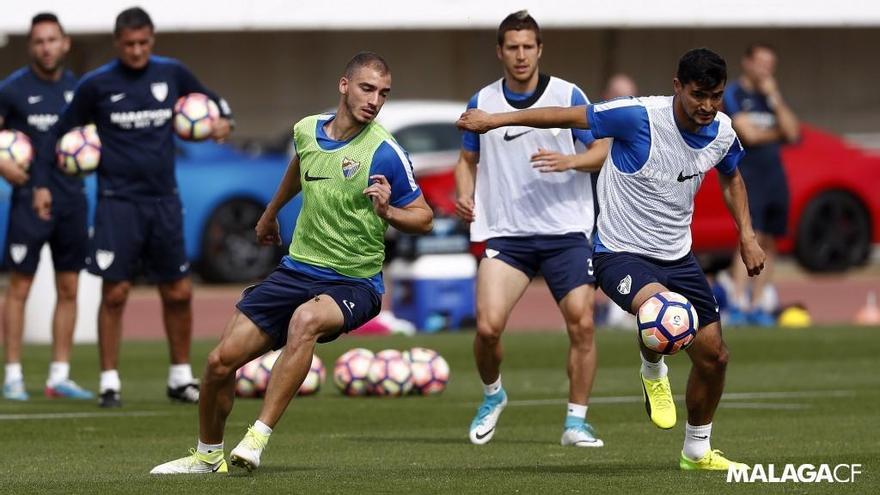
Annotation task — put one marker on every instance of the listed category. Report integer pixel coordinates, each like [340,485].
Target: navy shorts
[768,197]
[565,261]
[66,232]
[139,235]
[271,303]
[622,275]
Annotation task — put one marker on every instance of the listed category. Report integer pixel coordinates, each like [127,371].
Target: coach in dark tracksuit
[139,217]
[30,100]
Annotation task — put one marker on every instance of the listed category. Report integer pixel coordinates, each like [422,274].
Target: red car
[834,214]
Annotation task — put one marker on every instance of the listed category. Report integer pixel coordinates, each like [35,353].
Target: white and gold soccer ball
[667,322]
[430,372]
[16,147]
[194,116]
[350,372]
[390,374]
[79,151]
[314,378]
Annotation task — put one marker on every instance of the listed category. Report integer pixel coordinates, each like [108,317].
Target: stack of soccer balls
[391,373]
[252,379]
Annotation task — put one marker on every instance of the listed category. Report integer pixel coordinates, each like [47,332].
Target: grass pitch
[793,396]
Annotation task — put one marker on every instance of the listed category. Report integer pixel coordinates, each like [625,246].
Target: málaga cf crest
[350,167]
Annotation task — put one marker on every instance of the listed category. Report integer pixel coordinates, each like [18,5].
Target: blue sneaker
[68,389]
[581,435]
[483,425]
[736,317]
[15,391]
[761,318]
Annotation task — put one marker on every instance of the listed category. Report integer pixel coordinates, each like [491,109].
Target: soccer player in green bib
[355,180]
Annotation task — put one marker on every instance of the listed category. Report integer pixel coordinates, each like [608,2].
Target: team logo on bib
[104,258]
[159,90]
[68,95]
[350,167]
[17,252]
[625,285]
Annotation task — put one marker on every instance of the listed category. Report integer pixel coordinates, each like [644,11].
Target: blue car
[224,191]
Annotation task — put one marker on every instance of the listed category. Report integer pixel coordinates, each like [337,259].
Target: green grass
[331,444]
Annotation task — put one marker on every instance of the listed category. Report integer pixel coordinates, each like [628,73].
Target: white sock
[110,381]
[577,410]
[696,441]
[653,371]
[180,375]
[262,428]
[13,373]
[58,372]
[492,388]
[207,448]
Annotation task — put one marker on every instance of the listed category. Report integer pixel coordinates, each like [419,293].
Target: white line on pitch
[79,415]
[734,396]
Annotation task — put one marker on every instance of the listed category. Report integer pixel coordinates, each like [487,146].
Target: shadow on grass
[600,469]
[462,440]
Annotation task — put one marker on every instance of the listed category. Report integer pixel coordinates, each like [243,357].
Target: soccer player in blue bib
[139,217]
[532,222]
[661,149]
[30,101]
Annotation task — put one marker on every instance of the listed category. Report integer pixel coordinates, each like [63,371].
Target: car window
[424,138]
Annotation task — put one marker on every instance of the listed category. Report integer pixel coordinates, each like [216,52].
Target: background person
[764,122]
[30,100]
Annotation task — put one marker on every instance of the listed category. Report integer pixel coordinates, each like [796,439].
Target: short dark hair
[702,66]
[518,21]
[366,59]
[753,47]
[45,17]
[133,18]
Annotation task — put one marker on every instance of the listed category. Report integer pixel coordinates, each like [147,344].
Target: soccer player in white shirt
[662,147]
[531,222]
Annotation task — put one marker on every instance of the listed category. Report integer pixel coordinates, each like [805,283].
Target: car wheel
[834,233]
[230,252]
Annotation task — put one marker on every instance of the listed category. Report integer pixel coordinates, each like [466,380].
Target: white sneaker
[580,436]
[247,453]
[483,426]
[194,463]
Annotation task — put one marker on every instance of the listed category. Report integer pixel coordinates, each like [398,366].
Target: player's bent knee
[488,330]
[177,297]
[306,324]
[114,299]
[715,360]
[216,368]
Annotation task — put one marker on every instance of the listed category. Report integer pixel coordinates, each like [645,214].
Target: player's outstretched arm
[591,160]
[267,230]
[544,118]
[414,218]
[736,198]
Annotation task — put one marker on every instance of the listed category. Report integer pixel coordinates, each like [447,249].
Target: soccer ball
[667,322]
[430,372]
[16,147]
[314,378]
[79,151]
[350,372]
[390,374]
[250,381]
[194,117]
